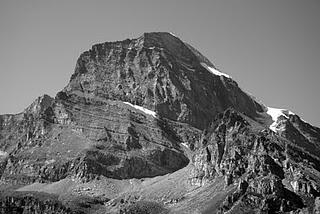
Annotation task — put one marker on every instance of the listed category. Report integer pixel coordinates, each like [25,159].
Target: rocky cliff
[272,173]
[150,125]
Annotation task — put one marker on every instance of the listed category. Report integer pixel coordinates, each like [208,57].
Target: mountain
[150,125]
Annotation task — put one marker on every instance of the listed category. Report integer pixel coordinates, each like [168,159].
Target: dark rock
[28,202]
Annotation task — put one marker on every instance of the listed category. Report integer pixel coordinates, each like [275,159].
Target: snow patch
[214,71]
[140,108]
[173,34]
[275,113]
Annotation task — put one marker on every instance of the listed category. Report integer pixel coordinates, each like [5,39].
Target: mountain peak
[150,106]
[170,43]
[159,72]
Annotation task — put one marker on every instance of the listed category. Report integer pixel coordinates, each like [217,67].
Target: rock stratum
[150,125]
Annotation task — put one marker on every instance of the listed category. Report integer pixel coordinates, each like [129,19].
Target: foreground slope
[149,125]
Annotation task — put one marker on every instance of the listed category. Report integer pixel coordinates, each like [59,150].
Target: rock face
[148,107]
[259,161]
[73,136]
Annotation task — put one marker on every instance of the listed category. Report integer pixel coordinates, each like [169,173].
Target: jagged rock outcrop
[267,168]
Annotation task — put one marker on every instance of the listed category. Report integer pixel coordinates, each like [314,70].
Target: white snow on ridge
[173,34]
[140,108]
[275,113]
[214,71]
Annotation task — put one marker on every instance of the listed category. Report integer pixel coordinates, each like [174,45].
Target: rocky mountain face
[150,125]
[160,72]
[273,174]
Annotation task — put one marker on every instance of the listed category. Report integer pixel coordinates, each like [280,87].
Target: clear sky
[270,47]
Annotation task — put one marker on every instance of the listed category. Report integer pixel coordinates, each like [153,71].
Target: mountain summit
[162,73]
[150,125]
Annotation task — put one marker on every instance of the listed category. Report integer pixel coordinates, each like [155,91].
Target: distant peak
[40,104]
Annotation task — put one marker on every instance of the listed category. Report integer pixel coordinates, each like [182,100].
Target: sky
[271,48]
